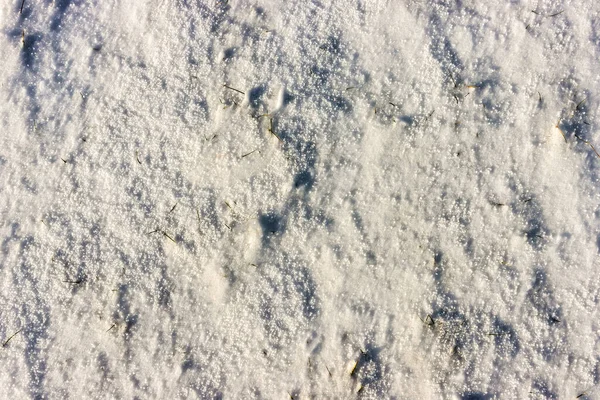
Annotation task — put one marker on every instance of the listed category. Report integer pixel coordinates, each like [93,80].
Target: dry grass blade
[10,338]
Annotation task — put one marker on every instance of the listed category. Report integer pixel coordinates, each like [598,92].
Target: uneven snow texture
[387,199]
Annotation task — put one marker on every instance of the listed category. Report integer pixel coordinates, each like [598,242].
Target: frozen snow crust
[299,199]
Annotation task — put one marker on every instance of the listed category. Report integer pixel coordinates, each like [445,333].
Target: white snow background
[302,199]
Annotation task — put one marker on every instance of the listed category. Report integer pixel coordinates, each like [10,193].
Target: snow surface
[304,199]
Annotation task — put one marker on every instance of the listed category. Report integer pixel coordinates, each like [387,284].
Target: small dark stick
[169,237]
[77,282]
[12,336]
[234,89]
[22,4]
[548,15]
[247,154]
[354,369]
[109,329]
[173,208]
[452,79]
